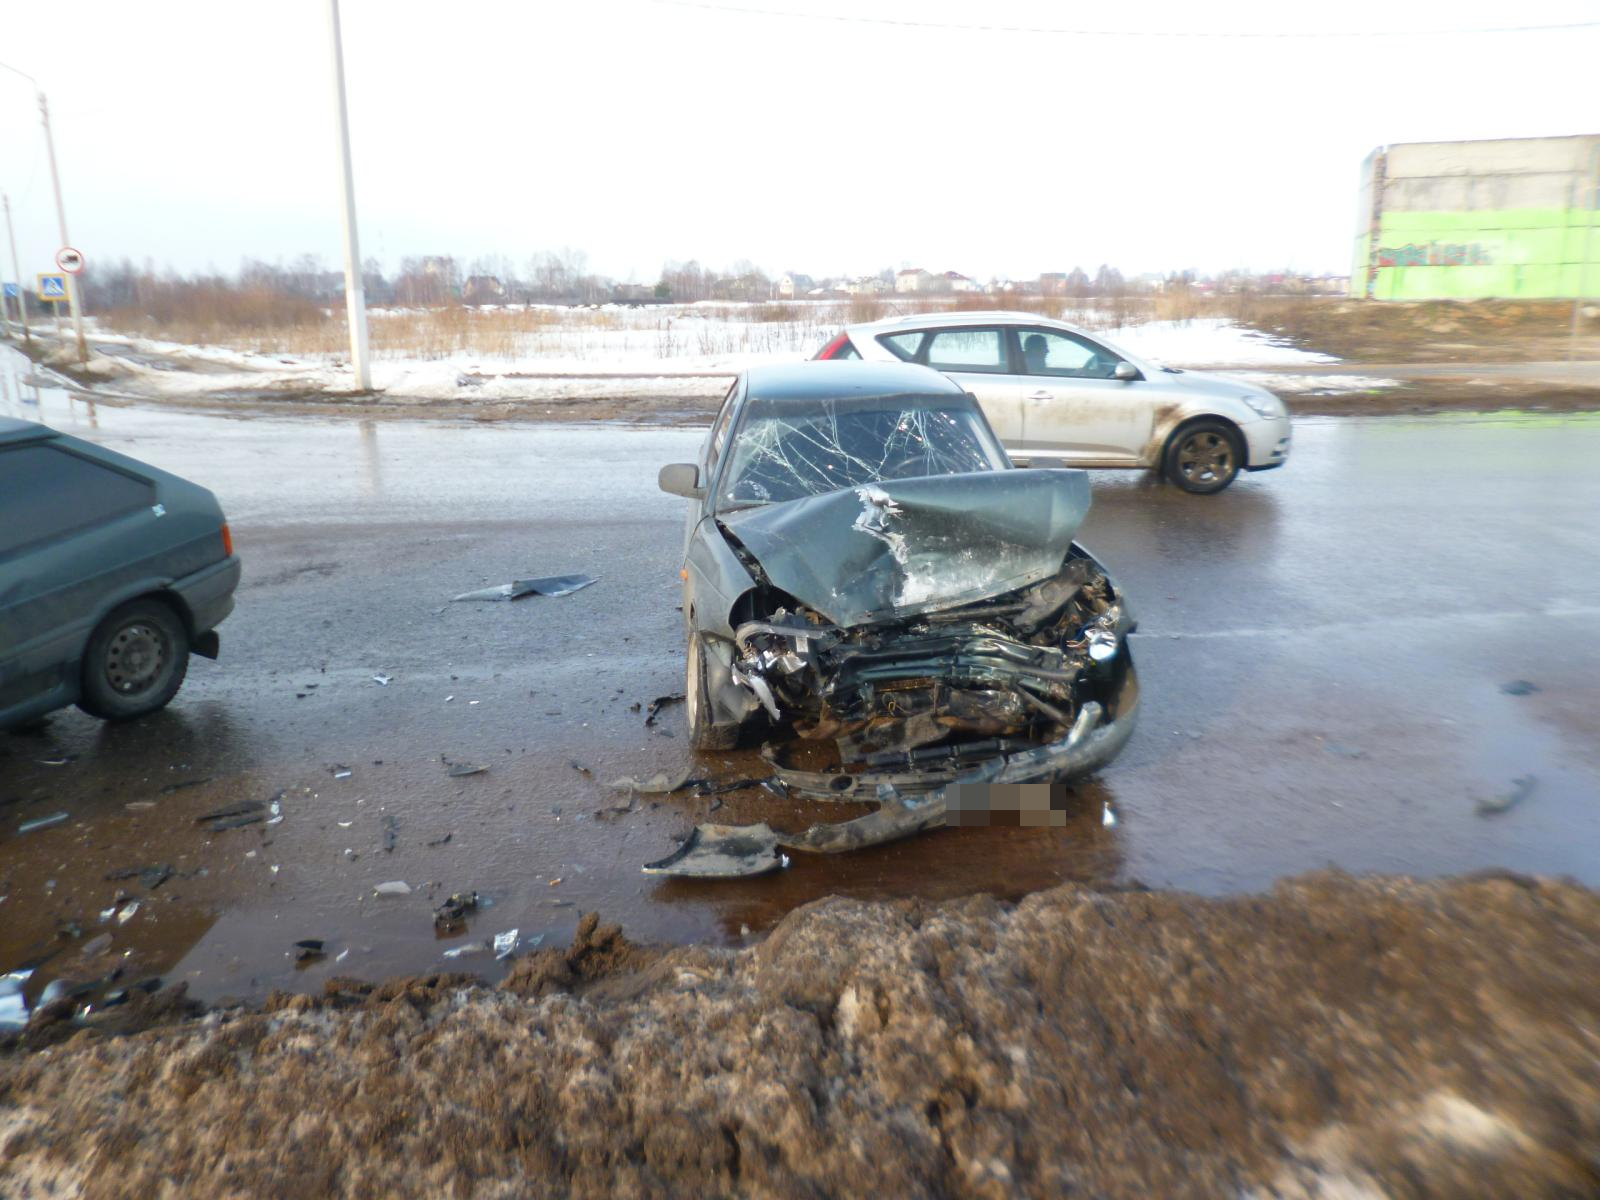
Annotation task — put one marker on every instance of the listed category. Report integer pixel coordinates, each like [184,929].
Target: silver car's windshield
[778,457]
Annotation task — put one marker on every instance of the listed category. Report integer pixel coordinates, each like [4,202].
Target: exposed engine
[943,687]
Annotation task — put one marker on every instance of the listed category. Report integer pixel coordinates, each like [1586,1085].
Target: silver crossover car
[865,575]
[1059,396]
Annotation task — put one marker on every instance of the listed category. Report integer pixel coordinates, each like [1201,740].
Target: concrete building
[1465,220]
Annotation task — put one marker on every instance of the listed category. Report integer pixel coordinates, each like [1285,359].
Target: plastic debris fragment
[43,822]
[394,887]
[505,944]
[555,585]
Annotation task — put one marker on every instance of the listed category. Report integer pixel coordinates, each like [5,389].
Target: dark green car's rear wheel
[135,662]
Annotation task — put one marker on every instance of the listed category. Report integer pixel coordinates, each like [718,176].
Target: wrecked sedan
[864,567]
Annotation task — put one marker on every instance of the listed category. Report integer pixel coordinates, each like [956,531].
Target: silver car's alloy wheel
[136,658]
[1205,457]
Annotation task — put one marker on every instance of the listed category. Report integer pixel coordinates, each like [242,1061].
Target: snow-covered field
[675,352]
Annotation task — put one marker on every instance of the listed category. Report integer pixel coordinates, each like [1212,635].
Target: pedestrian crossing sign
[52,288]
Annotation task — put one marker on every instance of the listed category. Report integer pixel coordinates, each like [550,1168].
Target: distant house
[794,284]
[866,285]
[483,289]
[914,279]
[955,281]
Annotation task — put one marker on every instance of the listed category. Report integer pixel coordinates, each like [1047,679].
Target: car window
[1054,352]
[784,457]
[847,350]
[902,345]
[719,430]
[967,350]
[47,492]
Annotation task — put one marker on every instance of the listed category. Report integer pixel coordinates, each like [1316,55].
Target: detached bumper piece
[910,800]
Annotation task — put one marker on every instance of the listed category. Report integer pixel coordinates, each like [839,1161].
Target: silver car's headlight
[1266,406]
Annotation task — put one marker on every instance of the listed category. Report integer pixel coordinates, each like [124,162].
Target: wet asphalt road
[1322,650]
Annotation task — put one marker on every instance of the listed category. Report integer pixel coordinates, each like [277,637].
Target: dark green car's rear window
[47,492]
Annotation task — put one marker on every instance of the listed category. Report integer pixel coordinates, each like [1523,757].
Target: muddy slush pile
[1336,1037]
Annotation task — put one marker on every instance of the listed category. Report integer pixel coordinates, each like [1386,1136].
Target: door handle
[1041,395]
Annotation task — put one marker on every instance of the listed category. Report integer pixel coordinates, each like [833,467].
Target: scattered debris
[275,809]
[462,770]
[247,812]
[1108,816]
[139,805]
[1519,687]
[391,832]
[450,915]
[96,945]
[340,771]
[467,948]
[151,877]
[126,913]
[656,785]
[505,944]
[308,950]
[53,762]
[556,585]
[556,882]
[1521,788]
[659,703]
[580,768]
[383,680]
[173,788]
[445,840]
[394,887]
[43,822]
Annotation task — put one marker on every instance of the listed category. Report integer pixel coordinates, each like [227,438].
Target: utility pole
[22,291]
[61,216]
[355,300]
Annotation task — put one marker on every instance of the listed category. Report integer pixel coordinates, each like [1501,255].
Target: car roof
[13,430]
[803,384]
[936,320]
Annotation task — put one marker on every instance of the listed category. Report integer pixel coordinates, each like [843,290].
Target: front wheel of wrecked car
[704,733]
[1202,458]
[135,663]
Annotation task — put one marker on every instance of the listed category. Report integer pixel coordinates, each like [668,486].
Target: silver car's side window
[1053,352]
[968,350]
[902,345]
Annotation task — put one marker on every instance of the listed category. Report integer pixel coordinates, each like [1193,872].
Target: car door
[66,542]
[978,357]
[1073,408]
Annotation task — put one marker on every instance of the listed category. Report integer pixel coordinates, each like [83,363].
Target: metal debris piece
[1521,788]
[722,851]
[340,771]
[445,840]
[462,770]
[394,887]
[308,949]
[126,913]
[555,585]
[275,809]
[44,822]
[452,913]
[505,944]
[659,703]
[391,832]
[1519,687]
[238,822]
[382,680]
[467,948]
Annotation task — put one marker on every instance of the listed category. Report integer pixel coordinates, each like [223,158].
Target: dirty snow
[681,352]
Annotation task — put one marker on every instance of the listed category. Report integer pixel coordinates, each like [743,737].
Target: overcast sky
[195,134]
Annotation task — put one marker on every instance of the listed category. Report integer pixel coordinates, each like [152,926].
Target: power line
[1208,34]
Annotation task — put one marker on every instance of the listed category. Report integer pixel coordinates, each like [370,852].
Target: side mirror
[1126,372]
[681,479]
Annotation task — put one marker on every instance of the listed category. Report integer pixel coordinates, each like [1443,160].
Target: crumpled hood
[910,546]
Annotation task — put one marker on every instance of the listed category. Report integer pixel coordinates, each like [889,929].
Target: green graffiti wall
[1464,255]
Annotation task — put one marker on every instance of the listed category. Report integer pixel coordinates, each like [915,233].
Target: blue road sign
[12,291]
[52,288]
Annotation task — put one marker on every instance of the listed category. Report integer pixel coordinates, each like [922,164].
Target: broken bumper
[909,801]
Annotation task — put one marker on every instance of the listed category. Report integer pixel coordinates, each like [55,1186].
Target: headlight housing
[1265,406]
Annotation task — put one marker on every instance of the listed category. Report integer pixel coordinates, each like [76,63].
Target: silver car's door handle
[1039,395]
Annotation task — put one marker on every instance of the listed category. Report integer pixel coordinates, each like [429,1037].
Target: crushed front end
[1031,685]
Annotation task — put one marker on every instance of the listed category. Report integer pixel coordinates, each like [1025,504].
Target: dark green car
[111,574]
